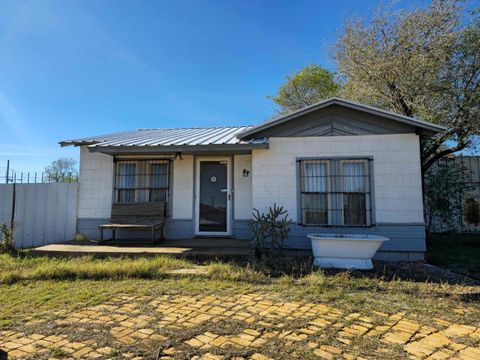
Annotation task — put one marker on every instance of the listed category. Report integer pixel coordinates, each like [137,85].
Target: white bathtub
[346,251]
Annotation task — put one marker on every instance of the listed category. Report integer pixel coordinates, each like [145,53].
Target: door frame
[228,160]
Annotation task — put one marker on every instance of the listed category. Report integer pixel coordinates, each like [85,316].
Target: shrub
[269,230]
[7,245]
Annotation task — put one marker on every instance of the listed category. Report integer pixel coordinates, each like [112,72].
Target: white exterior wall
[96,185]
[396,163]
[183,188]
[242,187]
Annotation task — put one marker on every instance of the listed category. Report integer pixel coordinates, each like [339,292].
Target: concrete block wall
[242,187]
[95,185]
[396,163]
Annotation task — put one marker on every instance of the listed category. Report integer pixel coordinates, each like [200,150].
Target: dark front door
[213,197]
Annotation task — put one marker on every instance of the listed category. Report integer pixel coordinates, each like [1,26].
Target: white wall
[242,194]
[397,174]
[96,185]
[183,187]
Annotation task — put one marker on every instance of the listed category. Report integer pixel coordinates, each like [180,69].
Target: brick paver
[251,326]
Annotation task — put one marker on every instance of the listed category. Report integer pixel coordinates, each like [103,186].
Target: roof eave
[76,143]
[211,148]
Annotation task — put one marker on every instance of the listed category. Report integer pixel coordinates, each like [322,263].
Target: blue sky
[76,68]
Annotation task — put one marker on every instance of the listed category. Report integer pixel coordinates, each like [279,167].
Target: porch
[191,247]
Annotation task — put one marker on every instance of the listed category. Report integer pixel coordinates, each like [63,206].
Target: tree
[305,87]
[61,170]
[423,63]
[447,186]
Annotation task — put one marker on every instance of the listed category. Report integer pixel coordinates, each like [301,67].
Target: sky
[70,69]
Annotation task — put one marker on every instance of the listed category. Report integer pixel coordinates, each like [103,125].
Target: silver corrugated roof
[166,137]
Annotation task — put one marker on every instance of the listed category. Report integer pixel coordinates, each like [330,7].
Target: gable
[336,121]
[337,116]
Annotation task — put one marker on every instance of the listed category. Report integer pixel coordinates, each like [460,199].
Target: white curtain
[354,176]
[126,176]
[315,176]
[159,175]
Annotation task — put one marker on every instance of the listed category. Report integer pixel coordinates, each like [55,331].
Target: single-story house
[336,166]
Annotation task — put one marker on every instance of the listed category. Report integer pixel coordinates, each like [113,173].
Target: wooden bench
[136,216]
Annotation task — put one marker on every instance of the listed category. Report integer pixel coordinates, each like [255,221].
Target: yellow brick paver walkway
[251,326]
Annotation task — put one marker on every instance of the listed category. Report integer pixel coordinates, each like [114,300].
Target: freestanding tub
[345,251]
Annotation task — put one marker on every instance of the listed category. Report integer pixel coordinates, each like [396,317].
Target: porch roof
[170,139]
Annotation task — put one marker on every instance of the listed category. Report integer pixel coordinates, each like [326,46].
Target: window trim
[370,204]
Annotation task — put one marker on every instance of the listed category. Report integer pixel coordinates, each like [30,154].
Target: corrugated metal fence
[44,213]
[471,166]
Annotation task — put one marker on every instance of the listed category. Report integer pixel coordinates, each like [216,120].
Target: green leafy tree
[61,170]
[306,87]
[423,63]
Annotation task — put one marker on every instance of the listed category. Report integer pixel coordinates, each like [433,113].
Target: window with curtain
[354,192]
[142,180]
[126,182]
[158,182]
[335,192]
[315,192]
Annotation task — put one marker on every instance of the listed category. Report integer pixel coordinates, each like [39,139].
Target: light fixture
[245,173]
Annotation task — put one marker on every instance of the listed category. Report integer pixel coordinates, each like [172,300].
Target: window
[142,180]
[315,192]
[335,192]
[126,182]
[158,181]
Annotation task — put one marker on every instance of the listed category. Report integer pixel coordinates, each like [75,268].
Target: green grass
[39,287]
[457,252]
[14,269]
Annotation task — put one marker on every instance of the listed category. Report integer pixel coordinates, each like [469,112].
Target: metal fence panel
[44,213]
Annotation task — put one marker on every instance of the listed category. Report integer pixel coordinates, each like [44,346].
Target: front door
[213,196]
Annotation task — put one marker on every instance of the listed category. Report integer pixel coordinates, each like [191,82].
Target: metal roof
[428,127]
[230,137]
[167,137]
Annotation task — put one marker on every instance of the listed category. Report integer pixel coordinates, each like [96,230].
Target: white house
[336,166]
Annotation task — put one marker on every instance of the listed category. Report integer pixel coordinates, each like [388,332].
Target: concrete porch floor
[208,247]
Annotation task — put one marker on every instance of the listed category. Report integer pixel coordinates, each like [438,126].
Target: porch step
[74,249]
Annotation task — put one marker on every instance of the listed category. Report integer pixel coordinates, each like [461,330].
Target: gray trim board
[403,237]
[407,241]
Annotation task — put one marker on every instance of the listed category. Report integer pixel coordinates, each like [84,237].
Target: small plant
[269,230]
[7,245]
